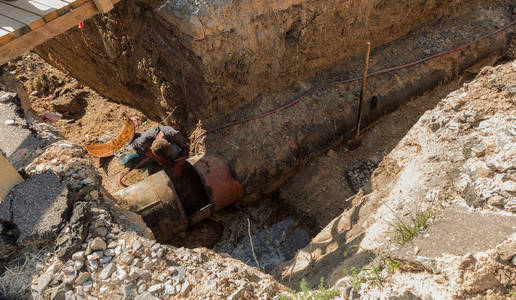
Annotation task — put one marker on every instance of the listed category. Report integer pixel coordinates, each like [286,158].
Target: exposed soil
[322,188]
[209,58]
[97,120]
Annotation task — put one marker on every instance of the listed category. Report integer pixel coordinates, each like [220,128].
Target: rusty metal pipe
[168,206]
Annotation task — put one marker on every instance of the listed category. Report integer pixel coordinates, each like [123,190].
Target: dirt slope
[454,169]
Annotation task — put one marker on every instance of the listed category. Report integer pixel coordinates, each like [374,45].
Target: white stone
[104,260]
[86,286]
[134,273]
[136,245]
[93,265]
[109,252]
[69,295]
[121,274]
[509,186]
[79,256]
[7,96]
[155,247]
[142,288]
[156,287]
[125,258]
[97,244]
[107,271]
[169,289]
[9,122]
[95,256]
[43,281]
[88,181]
[185,288]
[82,277]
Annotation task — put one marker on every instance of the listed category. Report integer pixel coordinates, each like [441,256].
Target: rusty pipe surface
[221,187]
[169,206]
[156,200]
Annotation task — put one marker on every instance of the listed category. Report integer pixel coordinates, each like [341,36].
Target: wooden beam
[9,177]
[104,5]
[5,37]
[32,20]
[36,37]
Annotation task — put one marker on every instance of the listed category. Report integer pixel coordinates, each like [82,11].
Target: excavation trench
[264,154]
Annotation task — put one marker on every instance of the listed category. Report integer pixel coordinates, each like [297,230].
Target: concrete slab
[459,231]
[39,207]
[17,142]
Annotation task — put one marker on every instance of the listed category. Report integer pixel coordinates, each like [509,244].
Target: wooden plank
[5,37]
[104,5]
[13,26]
[36,37]
[34,7]
[9,177]
[30,19]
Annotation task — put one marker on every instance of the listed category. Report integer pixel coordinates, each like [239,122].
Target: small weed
[357,277]
[406,230]
[512,293]
[392,265]
[321,293]
[318,102]
[338,168]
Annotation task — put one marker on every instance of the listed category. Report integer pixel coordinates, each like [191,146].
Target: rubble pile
[116,264]
[451,183]
[103,252]
[67,161]
[486,173]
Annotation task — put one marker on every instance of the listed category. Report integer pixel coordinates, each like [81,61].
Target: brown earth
[98,119]
[209,58]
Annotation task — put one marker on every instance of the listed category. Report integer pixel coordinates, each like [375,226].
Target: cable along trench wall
[273,147]
[224,61]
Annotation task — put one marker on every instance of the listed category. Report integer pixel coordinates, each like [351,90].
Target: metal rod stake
[362,92]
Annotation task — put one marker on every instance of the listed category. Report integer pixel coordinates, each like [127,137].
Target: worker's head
[161,148]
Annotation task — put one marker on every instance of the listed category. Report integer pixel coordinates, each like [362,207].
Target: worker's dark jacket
[143,143]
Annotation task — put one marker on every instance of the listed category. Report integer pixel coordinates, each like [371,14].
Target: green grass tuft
[406,230]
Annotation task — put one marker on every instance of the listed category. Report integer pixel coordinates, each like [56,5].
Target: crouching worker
[163,143]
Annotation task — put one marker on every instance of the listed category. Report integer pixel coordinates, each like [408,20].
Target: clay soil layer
[204,59]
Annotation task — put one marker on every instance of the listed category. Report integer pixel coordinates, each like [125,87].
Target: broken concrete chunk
[107,271]
[43,281]
[479,150]
[507,250]
[97,244]
[39,207]
[509,186]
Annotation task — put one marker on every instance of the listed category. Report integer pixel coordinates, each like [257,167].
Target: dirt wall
[265,152]
[207,58]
